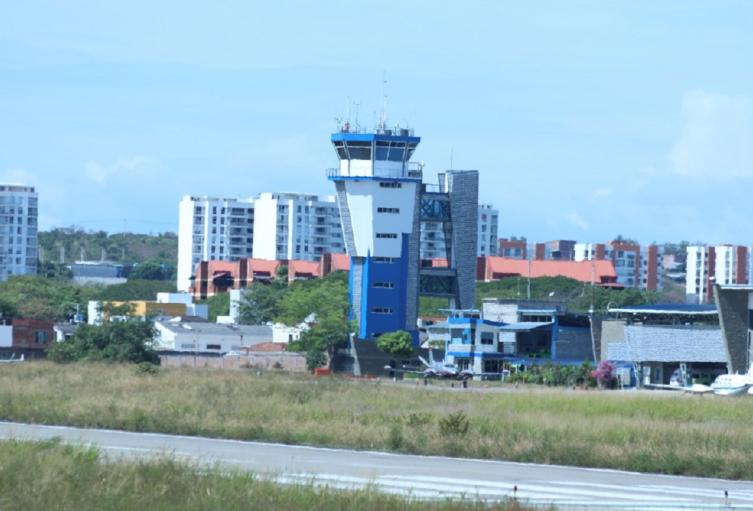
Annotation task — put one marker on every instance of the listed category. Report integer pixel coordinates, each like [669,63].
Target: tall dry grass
[673,434]
[48,476]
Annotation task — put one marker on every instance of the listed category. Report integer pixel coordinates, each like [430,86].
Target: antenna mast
[383,114]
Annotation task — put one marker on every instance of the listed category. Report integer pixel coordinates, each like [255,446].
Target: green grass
[647,432]
[50,475]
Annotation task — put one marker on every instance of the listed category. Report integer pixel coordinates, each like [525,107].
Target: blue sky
[586,119]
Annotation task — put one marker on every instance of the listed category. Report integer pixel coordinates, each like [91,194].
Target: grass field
[676,434]
[47,475]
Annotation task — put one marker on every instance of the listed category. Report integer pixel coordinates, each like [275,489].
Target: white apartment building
[18,230]
[212,228]
[296,226]
[270,226]
[727,264]
[639,267]
[432,235]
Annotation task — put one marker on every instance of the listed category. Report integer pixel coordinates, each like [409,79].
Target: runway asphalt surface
[425,477]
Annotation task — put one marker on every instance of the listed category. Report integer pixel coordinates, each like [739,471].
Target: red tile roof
[600,271]
[340,262]
[297,267]
[263,265]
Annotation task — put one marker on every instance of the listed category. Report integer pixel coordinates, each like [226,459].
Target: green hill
[72,244]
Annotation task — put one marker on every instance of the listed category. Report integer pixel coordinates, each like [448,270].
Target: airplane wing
[696,388]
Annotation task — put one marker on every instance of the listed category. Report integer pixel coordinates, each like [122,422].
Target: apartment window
[390,184]
[381,310]
[384,285]
[487,337]
[386,235]
[214,347]
[383,259]
[388,210]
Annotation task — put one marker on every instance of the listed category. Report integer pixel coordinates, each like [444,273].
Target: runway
[425,477]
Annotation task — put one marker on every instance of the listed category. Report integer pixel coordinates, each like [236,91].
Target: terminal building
[383,201]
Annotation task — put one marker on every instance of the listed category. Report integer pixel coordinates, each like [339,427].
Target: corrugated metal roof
[218,329]
[668,308]
[669,344]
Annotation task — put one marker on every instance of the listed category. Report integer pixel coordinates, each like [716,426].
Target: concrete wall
[733,319]
[611,331]
[285,361]
[463,191]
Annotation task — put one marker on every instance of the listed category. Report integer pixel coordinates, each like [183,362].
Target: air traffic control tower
[383,201]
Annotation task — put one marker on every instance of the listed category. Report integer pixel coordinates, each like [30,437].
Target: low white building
[209,337]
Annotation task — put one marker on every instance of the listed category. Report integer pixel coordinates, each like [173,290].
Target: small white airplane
[437,369]
[733,384]
[12,359]
[723,385]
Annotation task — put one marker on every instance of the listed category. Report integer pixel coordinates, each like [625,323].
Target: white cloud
[100,172]
[716,139]
[577,221]
[602,193]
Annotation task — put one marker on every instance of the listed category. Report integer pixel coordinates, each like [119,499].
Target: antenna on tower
[383,114]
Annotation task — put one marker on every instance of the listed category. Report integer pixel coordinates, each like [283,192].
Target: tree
[323,297]
[398,344]
[324,337]
[41,298]
[52,270]
[218,305]
[153,269]
[259,303]
[136,290]
[125,341]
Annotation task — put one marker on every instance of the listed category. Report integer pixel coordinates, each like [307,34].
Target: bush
[455,424]
[127,341]
[556,375]
[147,368]
[604,374]
[315,358]
[398,344]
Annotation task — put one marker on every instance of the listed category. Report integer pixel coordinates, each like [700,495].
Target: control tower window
[341,153]
[411,148]
[359,150]
[389,151]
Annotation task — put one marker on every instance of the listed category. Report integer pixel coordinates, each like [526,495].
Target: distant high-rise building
[636,266]
[18,230]
[270,226]
[721,264]
[514,248]
[212,228]
[296,226]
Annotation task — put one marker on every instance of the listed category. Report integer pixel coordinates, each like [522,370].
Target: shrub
[604,374]
[455,424]
[128,341]
[147,368]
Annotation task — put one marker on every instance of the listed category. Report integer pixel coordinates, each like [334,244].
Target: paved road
[419,476]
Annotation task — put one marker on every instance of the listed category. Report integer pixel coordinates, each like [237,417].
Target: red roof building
[497,268]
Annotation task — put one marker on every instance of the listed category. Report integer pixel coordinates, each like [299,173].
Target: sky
[586,120]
